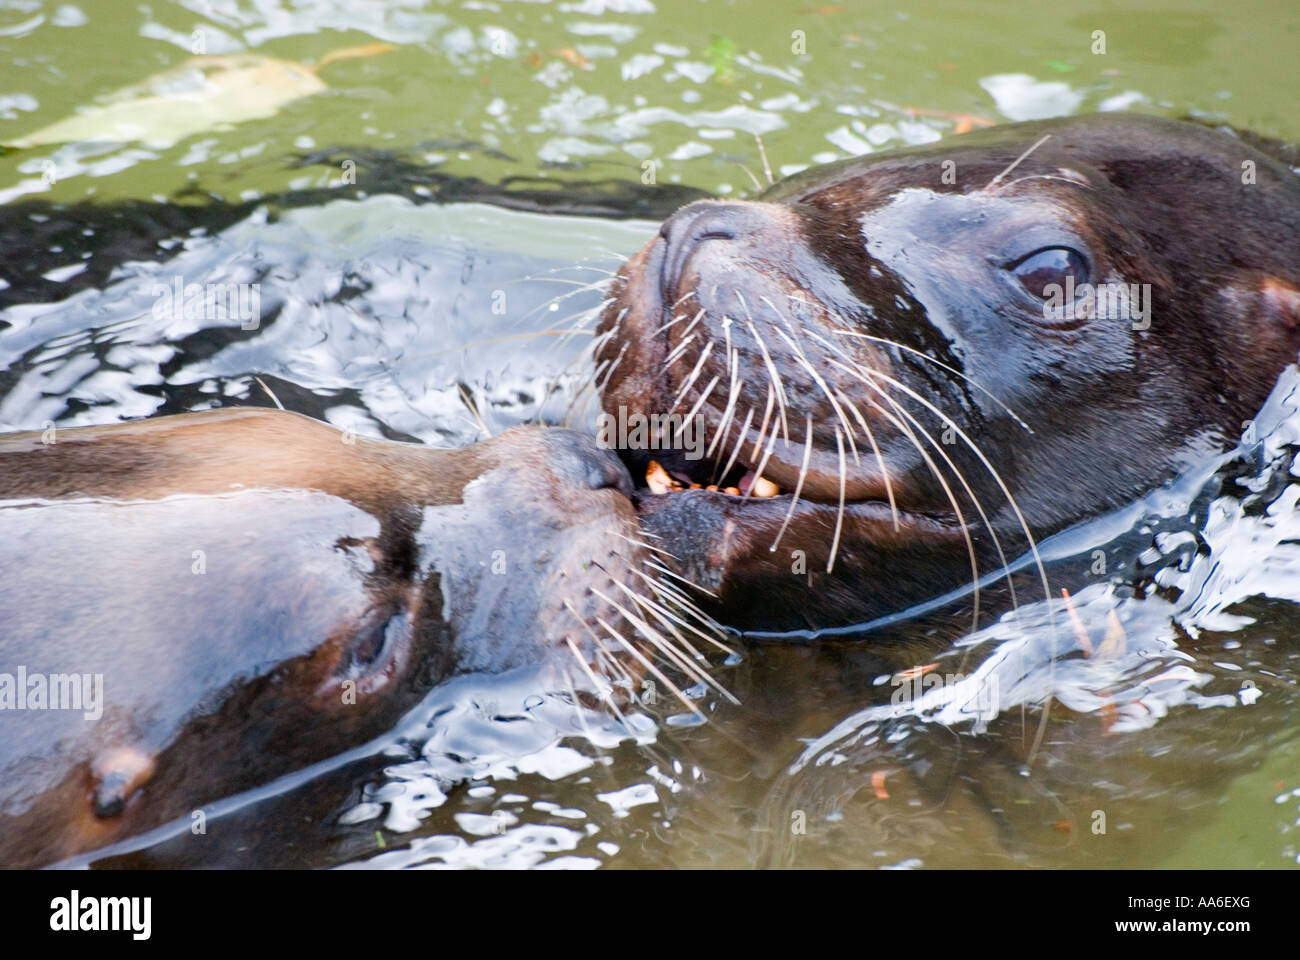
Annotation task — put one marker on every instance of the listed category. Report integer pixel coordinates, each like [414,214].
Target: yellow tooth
[763,487]
[657,479]
[734,491]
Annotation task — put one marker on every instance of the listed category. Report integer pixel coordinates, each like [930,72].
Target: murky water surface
[1171,739]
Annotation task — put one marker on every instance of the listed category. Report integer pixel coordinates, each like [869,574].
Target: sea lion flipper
[118,774]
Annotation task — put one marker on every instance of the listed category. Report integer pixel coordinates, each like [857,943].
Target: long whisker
[957,473]
[675,655]
[997,478]
[938,363]
[568,605]
[839,516]
[675,320]
[568,266]
[647,546]
[667,620]
[817,379]
[577,408]
[762,152]
[473,344]
[679,596]
[699,365]
[704,395]
[473,408]
[605,694]
[581,288]
[678,350]
[762,464]
[798,487]
[740,440]
[757,186]
[661,589]
[694,320]
[729,412]
[858,371]
[855,369]
[645,661]
[767,418]
[902,425]
[875,449]
[673,595]
[775,376]
[1016,162]
[669,573]
[551,385]
[589,385]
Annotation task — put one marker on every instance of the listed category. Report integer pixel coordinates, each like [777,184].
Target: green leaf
[722,56]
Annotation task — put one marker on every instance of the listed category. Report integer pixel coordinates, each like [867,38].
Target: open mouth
[826,488]
[666,471]
[744,483]
[764,471]
[740,482]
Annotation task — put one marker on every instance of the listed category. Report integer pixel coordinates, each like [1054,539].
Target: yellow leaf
[201,94]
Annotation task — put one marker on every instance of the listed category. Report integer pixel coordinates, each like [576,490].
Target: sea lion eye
[1049,266]
[372,644]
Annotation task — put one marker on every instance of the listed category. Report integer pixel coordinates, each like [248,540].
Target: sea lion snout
[745,230]
[697,223]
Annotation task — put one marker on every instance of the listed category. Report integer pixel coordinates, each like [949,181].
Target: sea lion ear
[1268,312]
[1280,302]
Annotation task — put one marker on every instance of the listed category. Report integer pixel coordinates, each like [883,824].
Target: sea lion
[939,355]
[197,604]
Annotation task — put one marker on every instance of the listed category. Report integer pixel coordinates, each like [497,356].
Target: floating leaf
[722,57]
[203,93]
[574,58]
[962,122]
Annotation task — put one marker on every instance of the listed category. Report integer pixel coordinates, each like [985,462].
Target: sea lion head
[992,338]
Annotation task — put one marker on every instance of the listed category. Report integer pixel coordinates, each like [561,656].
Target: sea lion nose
[695,223]
[579,460]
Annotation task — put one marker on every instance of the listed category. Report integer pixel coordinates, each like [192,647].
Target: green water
[596,89]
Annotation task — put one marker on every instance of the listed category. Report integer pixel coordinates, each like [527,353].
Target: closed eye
[372,644]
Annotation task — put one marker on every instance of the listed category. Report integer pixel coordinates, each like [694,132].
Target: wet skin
[257,592]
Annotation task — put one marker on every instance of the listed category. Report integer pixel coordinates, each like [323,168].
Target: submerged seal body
[195,605]
[990,338]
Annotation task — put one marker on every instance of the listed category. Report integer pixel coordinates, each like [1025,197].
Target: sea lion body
[996,336]
[247,592]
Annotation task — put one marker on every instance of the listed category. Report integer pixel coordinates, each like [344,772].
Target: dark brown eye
[1054,265]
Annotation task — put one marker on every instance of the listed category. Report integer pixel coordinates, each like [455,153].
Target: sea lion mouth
[743,482]
[745,491]
[721,523]
[765,473]
[761,516]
